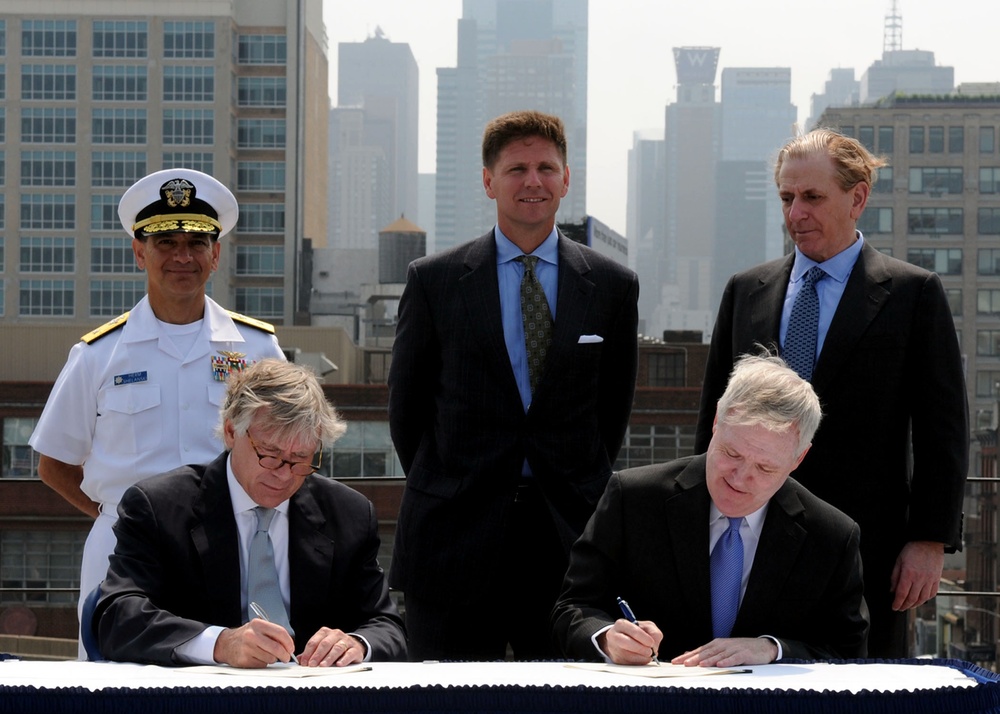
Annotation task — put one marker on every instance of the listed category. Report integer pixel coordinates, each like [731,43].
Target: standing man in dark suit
[796,588]
[507,445]
[893,449]
[198,545]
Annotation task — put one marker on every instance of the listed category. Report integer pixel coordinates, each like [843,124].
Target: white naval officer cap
[178,201]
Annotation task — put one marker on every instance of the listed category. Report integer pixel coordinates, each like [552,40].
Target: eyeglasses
[169,244]
[273,463]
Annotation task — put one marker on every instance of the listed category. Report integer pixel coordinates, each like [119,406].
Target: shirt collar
[548,251]
[838,267]
[754,520]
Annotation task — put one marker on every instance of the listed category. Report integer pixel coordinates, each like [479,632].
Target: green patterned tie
[537,319]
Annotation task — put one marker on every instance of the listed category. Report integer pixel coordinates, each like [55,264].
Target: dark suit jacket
[890,375]
[648,543]
[176,567]
[457,420]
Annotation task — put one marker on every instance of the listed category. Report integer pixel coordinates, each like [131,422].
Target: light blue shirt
[829,290]
[509,274]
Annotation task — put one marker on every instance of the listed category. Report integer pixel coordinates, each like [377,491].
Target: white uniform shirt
[129,405]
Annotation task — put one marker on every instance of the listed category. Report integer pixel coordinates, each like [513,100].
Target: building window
[3,124]
[260,176]
[188,84]
[667,369]
[260,133]
[121,39]
[48,82]
[866,135]
[987,383]
[883,180]
[112,255]
[48,38]
[266,260]
[934,221]
[109,298]
[988,343]
[262,49]
[51,298]
[261,92]
[875,220]
[48,211]
[989,221]
[916,139]
[119,126]
[954,296]
[48,125]
[261,218]
[943,261]
[3,81]
[652,444]
[265,303]
[988,302]
[48,255]
[935,139]
[48,168]
[364,451]
[188,126]
[117,168]
[987,140]
[34,561]
[989,179]
[886,138]
[189,40]
[3,38]
[956,139]
[19,459]
[989,261]
[935,180]
[104,213]
[120,83]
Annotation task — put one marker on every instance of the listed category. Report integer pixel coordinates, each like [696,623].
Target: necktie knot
[264,516]
[528,261]
[813,275]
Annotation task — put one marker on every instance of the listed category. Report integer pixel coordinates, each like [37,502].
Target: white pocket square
[590,339]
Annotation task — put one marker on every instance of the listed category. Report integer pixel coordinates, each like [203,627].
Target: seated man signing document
[724,559]
[251,558]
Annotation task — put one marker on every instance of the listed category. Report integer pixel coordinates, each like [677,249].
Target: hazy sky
[631,59]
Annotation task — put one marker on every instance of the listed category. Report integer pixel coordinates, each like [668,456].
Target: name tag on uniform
[130,378]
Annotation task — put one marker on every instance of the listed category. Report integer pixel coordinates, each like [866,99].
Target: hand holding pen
[259,612]
[630,616]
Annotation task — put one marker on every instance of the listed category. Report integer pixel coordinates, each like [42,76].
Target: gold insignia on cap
[177,192]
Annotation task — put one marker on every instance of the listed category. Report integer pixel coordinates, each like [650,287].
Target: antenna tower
[893,38]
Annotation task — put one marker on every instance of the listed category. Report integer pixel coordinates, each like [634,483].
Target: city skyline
[623,101]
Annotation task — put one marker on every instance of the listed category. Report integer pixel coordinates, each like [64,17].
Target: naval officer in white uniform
[140,395]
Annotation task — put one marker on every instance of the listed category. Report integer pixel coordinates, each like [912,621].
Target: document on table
[280,669]
[657,670]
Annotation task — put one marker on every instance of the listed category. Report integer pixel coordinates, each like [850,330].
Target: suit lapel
[686,516]
[216,540]
[777,550]
[573,301]
[480,291]
[766,302]
[867,290]
[310,556]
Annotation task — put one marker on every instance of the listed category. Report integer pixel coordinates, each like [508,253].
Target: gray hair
[764,391]
[286,397]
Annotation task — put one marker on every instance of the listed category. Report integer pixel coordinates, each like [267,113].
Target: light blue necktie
[726,566]
[262,576]
[803,326]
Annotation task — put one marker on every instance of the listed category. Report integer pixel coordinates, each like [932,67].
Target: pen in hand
[259,612]
[630,616]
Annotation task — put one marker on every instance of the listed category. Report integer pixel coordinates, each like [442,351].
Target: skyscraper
[111,91]
[512,54]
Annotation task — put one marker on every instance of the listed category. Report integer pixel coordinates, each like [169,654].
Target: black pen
[630,616]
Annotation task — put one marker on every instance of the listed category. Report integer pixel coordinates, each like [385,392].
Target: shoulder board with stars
[252,322]
[105,329]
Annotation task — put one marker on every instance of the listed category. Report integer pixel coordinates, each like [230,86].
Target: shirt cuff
[201,648]
[777,642]
[593,638]
[366,643]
